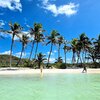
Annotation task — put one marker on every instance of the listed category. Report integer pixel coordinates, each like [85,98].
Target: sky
[69,17]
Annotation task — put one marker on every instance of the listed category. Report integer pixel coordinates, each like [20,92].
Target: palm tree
[83,45]
[34,32]
[92,54]
[78,51]
[74,49]
[40,59]
[60,40]
[39,38]
[15,29]
[96,45]
[66,49]
[59,60]
[24,40]
[53,40]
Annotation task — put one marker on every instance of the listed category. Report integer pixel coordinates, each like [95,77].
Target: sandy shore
[14,71]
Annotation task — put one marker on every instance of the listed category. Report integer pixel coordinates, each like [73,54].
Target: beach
[14,71]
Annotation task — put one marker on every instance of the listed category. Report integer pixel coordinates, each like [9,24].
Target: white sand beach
[14,71]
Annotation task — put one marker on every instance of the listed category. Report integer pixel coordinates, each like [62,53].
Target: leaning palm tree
[40,59]
[34,33]
[53,40]
[15,30]
[24,40]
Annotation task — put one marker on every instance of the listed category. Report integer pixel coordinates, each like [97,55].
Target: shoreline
[16,71]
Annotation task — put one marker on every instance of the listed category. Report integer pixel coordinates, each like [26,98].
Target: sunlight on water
[50,87]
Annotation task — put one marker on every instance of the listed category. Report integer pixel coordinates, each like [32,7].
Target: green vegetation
[85,51]
[4,61]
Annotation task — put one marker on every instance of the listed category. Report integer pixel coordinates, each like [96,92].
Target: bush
[63,66]
[60,65]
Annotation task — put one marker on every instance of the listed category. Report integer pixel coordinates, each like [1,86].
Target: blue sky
[69,17]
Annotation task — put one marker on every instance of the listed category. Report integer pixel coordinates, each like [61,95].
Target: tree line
[83,48]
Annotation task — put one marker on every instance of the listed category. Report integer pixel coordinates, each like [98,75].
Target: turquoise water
[50,87]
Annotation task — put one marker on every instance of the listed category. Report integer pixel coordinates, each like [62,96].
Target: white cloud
[67,9]
[52,60]
[45,2]
[11,4]
[16,38]
[6,52]
[68,60]
[5,35]
[25,19]
[55,51]
[24,54]
[20,35]
[19,53]
[2,23]
[49,53]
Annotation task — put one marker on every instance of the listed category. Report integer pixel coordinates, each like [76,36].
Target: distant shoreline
[16,71]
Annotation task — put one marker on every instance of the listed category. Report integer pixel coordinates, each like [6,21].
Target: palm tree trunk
[83,57]
[20,56]
[31,50]
[73,58]
[65,56]
[36,50]
[11,50]
[78,57]
[49,55]
[58,51]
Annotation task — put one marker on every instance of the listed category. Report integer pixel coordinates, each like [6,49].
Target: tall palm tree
[78,51]
[60,40]
[34,32]
[40,60]
[92,53]
[66,49]
[84,44]
[97,48]
[24,40]
[53,40]
[15,29]
[39,38]
[74,49]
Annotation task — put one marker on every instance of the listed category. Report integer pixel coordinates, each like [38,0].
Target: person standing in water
[84,69]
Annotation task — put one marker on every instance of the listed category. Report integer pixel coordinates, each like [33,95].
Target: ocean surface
[50,87]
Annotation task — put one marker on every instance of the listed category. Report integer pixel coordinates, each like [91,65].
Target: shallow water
[50,87]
